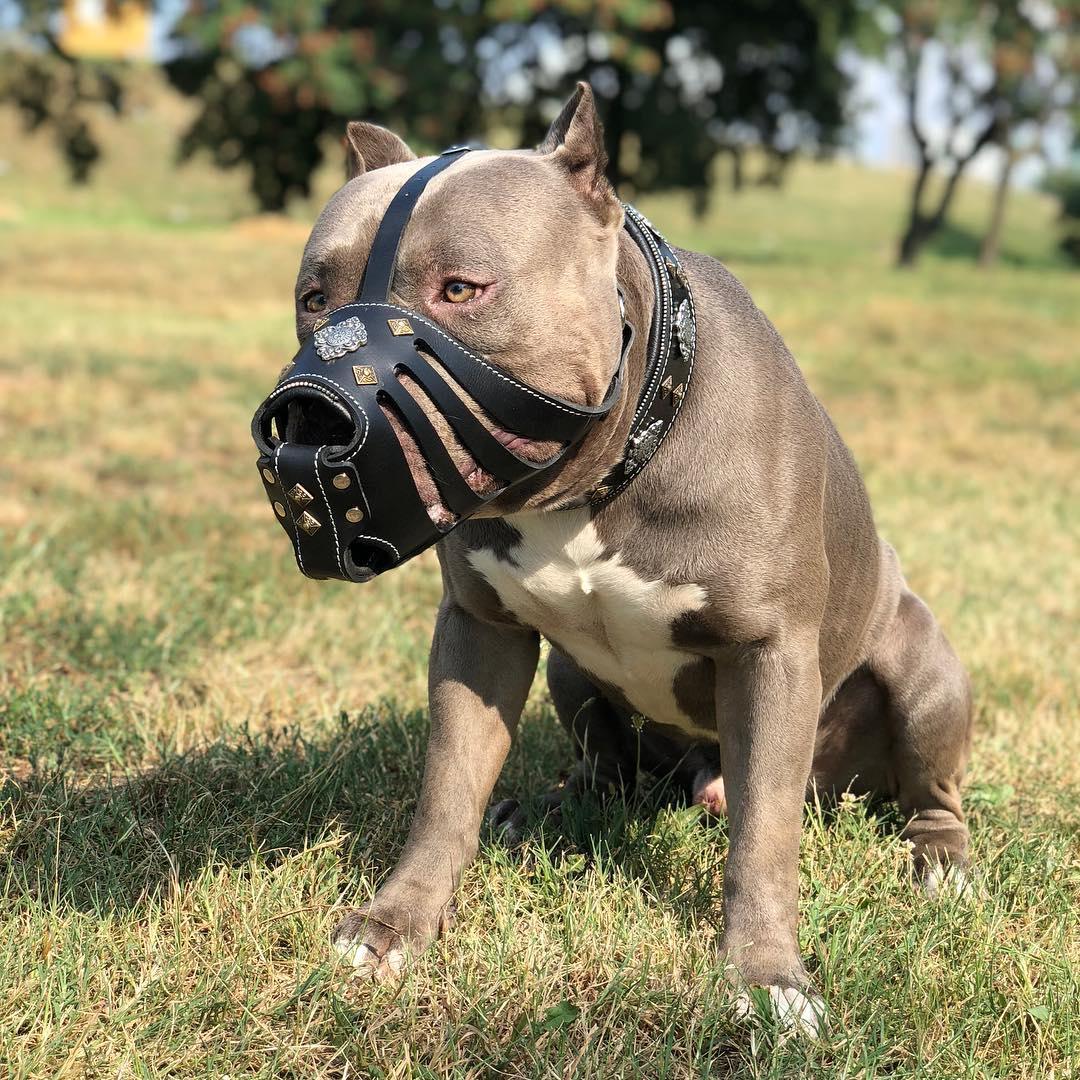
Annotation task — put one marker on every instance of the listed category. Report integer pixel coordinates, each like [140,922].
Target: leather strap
[669,360]
[379,272]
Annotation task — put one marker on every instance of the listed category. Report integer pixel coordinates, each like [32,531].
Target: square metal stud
[399,327]
[678,393]
[320,322]
[364,375]
[300,495]
[309,524]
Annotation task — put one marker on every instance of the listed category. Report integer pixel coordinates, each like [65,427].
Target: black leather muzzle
[332,464]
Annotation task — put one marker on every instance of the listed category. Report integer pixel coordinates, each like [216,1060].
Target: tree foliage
[1003,70]
[52,90]
[677,84]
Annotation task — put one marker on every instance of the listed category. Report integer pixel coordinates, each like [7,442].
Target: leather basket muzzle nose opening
[306,417]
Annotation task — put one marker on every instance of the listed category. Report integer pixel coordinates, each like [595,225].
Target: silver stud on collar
[686,329]
[643,445]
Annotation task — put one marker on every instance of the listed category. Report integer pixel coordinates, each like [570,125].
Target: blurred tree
[52,88]
[1066,187]
[991,69]
[677,84]
[272,78]
[1037,79]
[680,84]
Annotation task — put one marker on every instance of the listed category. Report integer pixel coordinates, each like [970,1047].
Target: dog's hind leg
[607,747]
[929,724]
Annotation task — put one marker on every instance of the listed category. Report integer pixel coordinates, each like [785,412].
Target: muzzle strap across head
[330,460]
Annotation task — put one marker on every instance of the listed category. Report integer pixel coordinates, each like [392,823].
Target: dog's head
[460,333]
[512,252]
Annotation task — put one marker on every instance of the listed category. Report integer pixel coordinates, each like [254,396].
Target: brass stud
[364,375]
[309,524]
[342,481]
[300,495]
[399,327]
[678,393]
[354,514]
[320,322]
[268,476]
[279,509]
[666,385]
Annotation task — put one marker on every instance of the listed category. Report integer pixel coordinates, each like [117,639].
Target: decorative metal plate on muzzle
[340,338]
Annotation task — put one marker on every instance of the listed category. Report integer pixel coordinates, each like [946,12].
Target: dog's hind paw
[795,1009]
[506,820]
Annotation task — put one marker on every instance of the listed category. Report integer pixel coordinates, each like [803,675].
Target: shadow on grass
[125,839]
[956,242]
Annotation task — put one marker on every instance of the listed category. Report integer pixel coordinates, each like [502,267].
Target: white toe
[795,1009]
[950,881]
[366,960]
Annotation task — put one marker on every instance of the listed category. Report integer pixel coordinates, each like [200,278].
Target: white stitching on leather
[582,411]
[329,509]
[380,540]
[334,386]
[288,503]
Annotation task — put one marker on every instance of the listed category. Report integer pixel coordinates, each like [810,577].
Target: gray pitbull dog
[735,594]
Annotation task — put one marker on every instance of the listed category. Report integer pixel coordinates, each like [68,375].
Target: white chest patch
[612,622]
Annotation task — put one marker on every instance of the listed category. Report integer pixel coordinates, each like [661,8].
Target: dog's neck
[605,445]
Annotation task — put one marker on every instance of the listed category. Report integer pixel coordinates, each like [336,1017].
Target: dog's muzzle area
[386,431]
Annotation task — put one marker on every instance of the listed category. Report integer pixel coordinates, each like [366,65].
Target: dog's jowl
[612,447]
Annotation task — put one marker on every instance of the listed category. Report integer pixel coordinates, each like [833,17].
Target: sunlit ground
[203,753]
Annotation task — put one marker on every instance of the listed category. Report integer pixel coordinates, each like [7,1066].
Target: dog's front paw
[799,1009]
[378,940]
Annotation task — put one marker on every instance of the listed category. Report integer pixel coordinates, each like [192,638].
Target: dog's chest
[614,623]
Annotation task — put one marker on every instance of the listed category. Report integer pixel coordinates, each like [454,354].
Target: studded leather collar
[669,358]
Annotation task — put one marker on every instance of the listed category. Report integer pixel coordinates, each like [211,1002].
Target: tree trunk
[922,227]
[913,239]
[991,242]
[737,176]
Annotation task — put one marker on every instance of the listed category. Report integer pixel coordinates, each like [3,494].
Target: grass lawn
[202,753]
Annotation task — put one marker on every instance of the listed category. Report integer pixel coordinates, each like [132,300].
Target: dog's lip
[510,440]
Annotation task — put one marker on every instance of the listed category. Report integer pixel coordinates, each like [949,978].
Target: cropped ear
[368,146]
[576,142]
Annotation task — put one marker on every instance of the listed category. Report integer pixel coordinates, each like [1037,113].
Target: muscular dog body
[736,594]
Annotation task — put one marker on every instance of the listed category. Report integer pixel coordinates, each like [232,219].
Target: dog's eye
[457,292]
[314,301]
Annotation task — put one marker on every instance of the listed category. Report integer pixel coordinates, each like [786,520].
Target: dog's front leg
[478,679]
[768,701]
